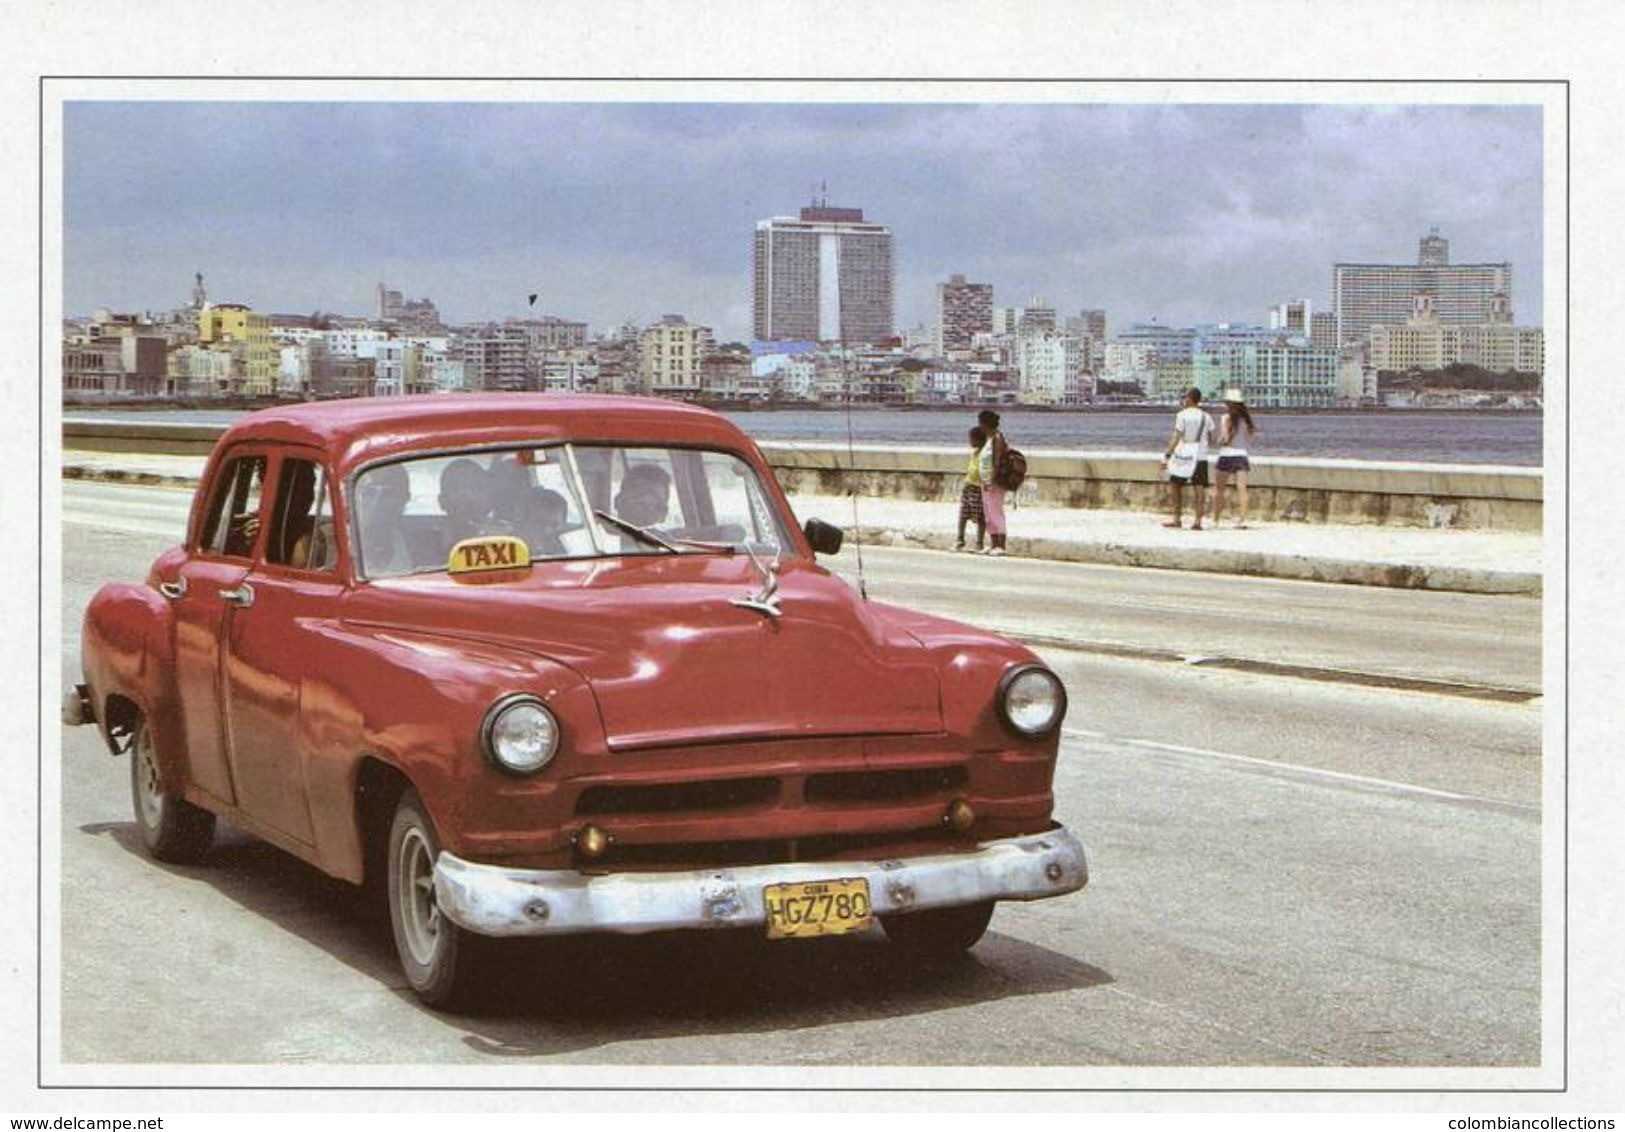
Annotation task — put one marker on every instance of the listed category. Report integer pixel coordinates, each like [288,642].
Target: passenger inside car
[465,498]
[645,495]
[382,495]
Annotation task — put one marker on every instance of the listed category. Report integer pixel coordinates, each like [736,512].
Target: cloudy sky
[1184,213]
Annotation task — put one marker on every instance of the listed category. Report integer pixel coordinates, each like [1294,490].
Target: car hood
[670,658]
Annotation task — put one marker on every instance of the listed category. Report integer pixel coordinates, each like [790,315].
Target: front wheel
[938,933]
[172,829]
[433,950]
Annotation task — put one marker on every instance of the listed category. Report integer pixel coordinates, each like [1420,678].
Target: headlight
[1031,701]
[520,734]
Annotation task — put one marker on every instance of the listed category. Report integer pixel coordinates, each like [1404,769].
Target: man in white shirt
[1193,428]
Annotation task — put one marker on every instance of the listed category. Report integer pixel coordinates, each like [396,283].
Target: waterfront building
[725,375]
[1169,344]
[202,371]
[826,275]
[1235,334]
[1278,375]
[1424,341]
[787,375]
[671,352]
[963,311]
[1047,363]
[1367,294]
[946,385]
[568,371]
[123,355]
[243,334]
[1130,363]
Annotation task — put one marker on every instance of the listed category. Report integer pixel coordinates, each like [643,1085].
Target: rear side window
[233,520]
[301,524]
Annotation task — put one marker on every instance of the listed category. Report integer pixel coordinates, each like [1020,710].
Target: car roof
[357,430]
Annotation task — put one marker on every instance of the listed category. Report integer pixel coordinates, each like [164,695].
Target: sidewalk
[1468,561]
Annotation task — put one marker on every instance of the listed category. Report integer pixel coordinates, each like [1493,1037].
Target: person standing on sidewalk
[970,493]
[987,467]
[1233,456]
[1186,457]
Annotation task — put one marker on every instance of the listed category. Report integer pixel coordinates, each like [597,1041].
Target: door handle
[242,597]
[173,590]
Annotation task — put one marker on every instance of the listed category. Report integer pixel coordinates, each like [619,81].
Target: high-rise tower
[824,275]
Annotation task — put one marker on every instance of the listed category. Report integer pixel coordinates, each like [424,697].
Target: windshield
[565,501]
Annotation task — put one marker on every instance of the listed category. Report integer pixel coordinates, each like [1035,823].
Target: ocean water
[1465,437]
[1427,437]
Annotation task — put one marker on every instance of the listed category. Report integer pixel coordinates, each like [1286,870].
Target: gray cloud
[1181,212]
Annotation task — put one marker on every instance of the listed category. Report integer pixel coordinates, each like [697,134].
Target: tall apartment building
[825,275]
[497,358]
[670,356]
[1367,294]
[963,311]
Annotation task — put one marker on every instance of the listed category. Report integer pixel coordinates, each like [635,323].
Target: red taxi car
[546,665]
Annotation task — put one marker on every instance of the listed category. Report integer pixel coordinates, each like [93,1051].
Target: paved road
[1288,872]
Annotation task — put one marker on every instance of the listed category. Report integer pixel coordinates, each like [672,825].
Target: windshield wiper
[642,534]
[666,542]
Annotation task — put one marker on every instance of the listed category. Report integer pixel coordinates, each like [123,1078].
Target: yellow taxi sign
[488,557]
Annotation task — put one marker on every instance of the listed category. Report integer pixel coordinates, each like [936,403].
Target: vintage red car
[541,665]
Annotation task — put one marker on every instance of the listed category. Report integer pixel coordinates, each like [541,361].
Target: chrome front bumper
[497,901]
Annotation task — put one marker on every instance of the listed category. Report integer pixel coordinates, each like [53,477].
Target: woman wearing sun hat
[1233,455]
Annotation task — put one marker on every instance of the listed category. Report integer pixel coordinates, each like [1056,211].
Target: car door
[201,594]
[273,646]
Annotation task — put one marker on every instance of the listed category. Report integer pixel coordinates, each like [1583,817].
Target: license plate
[820,907]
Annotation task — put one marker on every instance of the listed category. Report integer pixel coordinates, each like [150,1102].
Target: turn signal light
[960,817]
[592,842]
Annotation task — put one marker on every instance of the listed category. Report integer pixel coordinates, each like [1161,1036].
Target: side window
[301,528]
[233,519]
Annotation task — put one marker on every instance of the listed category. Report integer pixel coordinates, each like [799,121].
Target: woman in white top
[1233,455]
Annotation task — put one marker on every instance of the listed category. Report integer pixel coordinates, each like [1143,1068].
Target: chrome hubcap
[420,915]
[149,797]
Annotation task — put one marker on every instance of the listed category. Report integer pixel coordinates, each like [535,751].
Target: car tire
[938,933]
[172,829]
[434,952]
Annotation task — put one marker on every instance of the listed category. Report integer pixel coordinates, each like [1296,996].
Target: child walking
[970,494]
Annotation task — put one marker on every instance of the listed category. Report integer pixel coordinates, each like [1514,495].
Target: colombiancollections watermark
[1543,1123]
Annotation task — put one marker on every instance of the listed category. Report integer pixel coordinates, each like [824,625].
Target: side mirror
[824,538]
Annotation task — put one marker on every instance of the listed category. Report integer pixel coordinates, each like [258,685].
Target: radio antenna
[852,468]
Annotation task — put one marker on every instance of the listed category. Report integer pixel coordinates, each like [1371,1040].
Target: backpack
[1011,472]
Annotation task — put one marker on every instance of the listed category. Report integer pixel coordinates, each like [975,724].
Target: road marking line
[1298,769]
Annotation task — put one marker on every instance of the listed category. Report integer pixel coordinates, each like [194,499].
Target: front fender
[415,701]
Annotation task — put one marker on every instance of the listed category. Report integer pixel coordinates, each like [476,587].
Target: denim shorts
[1228,464]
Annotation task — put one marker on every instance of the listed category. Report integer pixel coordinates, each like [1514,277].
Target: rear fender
[127,654]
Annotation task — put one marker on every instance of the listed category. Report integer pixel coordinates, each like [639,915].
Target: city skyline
[1184,214]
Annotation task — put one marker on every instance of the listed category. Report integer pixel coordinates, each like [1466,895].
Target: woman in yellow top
[970,495]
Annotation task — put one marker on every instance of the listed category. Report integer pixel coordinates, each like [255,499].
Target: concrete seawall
[1466,497]
[1470,497]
